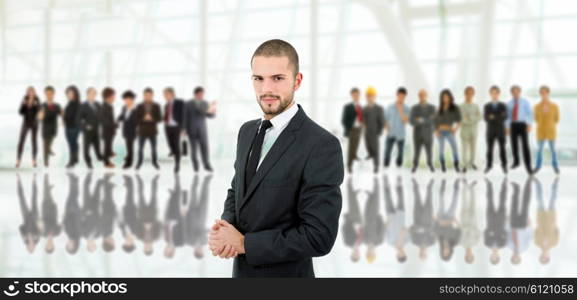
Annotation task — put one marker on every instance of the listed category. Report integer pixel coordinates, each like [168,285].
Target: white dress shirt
[279,123]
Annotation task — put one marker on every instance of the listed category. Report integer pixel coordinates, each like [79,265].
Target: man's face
[422,96]
[401,97]
[129,102]
[469,94]
[91,94]
[111,99]
[494,95]
[148,97]
[274,83]
[49,95]
[355,96]
[371,98]
[199,96]
[516,93]
[544,93]
[168,96]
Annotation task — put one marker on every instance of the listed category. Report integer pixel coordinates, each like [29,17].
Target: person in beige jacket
[471,115]
[546,116]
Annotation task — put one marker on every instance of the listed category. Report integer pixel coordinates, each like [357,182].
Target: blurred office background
[418,43]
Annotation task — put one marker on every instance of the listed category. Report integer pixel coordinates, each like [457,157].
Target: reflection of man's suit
[495,233]
[196,227]
[149,226]
[374,232]
[174,220]
[91,209]
[129,222]
[72,221]
[49,211]
[30,218]
[108,213]
[423,228]
[351,229]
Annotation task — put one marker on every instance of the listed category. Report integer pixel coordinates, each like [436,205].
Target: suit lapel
[282,143]
[243,156]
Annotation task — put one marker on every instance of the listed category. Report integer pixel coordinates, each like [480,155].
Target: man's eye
[257,79]
[278,78]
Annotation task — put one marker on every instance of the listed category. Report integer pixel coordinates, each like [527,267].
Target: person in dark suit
[287,157]
[29,109]
[108,125]
[129,222]
[352,121]
[174,224]
[149,227]
[72,123]
[495,113]
[90,122]
[196,112]
[128,118]
[148,115]
[49,114]
[495,235]
[91,212]
[173,120]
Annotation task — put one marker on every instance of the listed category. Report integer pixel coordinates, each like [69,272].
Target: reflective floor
[398,224]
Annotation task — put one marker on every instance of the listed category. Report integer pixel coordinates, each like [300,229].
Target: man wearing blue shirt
[396,116]
[519,119]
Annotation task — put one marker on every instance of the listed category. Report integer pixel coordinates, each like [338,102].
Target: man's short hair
[49,88]
[278,47]
[402,90]
[355,90]
[169,90]
[148,90]
[107,93]
[469,88]
[494,88]
[197,90]
[128,95]
[546,88]
[515,86]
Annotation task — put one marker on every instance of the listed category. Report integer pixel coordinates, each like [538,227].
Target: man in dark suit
[284,203]
[196,112]
[90,122]
[147,116]
[495,113]
[173,117]
[352,121]
[108,125]
[128,119]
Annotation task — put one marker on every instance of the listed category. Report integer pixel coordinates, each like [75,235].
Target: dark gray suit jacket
[290,211]
[195,114]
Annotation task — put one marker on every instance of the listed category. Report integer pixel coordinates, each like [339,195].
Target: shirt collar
[283,118]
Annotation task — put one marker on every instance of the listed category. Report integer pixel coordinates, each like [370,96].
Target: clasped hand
[225,240]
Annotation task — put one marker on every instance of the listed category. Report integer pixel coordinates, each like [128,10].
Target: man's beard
[269,109]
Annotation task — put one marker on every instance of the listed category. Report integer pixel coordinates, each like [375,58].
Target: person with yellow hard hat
[374,121]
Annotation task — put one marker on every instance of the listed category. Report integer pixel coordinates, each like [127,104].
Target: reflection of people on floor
[148,223]
[495,234]
[447,227]
[196,227]
[374,232]
[547,232]
[30,228]
[174,220]
[521,233]
[422,231]
[128,220]
[397,234]
[352,229]
[72,221]
[91,212]
[108,214]
[469,224]
[51,226]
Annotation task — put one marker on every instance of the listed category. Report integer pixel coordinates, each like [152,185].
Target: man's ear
[298,81]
